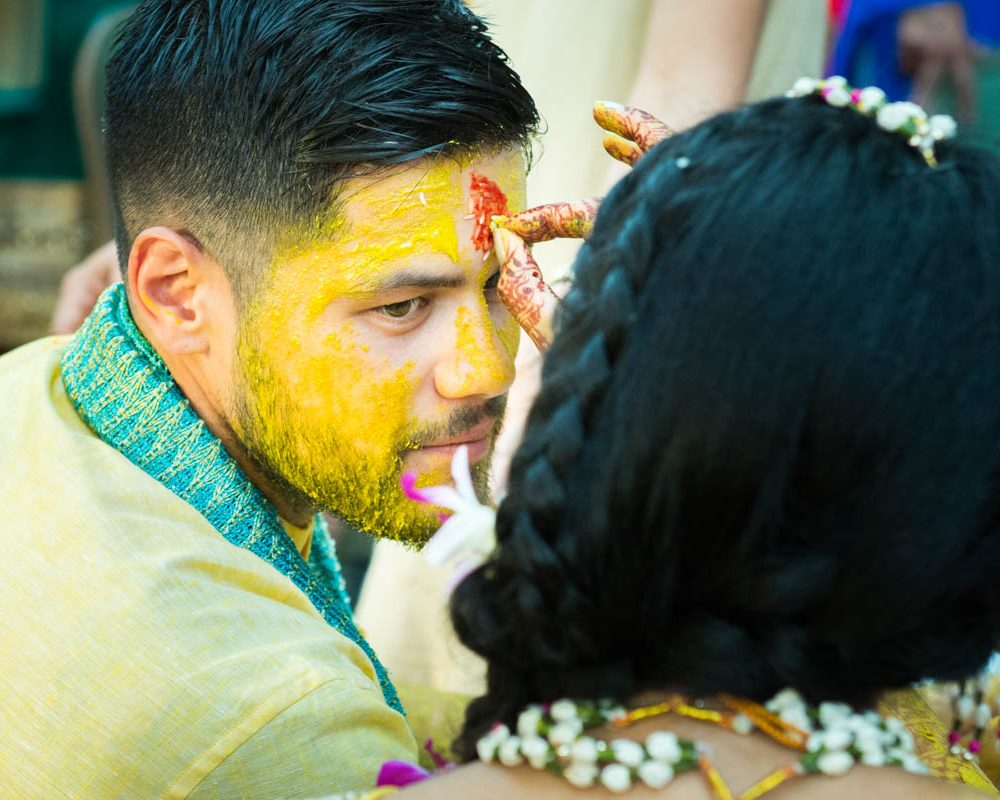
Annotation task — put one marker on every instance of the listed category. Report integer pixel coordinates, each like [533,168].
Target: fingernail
[500,243]
[611,105]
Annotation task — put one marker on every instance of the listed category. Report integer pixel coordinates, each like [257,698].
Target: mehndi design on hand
[631,132]
[631,124]
[570,220]
[522,289]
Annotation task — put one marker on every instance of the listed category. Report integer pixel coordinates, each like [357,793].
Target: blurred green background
[53,206]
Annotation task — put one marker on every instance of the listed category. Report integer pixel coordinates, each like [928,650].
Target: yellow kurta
[144,656]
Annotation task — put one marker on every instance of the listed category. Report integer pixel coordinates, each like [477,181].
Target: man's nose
[477,364]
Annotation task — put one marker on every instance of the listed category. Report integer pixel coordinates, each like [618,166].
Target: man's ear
[170,282]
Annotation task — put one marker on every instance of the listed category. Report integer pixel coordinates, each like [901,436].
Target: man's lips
[473,435]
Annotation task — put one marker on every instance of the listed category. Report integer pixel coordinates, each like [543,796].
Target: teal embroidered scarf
[121,388]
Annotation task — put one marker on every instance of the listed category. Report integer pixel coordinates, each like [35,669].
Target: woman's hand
[631,133]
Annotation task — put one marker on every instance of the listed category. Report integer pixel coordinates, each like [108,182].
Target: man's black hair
[231,120]
[766,448]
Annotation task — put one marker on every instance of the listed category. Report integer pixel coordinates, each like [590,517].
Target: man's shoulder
[55,473]
[132,629]
[27,372]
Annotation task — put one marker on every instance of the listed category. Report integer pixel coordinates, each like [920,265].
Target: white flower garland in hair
[922,132]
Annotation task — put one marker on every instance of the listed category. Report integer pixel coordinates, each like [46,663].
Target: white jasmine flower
[895,754]
[580,774]
[836,81]
[943,126]
[868,739]
[655,774]
[835,763]
[830,713]
[907,760]
[891,117]
[499,731]
[509,752]
[486,748]
[616,778]
[663,746]
[965,709]
[913,764]
[888,738]
[528,720]
[536,750]
[584,750]
[983,715]
[837,738]
[803,86]
[873,756]
[628,752]
[860,724]
[468,536]
[563,710]
[894,725]
[563,734]
[797,716]
[870,98]
[742,724]
[837,96]
[786,698]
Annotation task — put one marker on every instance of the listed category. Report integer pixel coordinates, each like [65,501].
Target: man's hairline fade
[237,224]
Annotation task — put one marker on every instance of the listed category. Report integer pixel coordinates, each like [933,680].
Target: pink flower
[400,773]
[467,537]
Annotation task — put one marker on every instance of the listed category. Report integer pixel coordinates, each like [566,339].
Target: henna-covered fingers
[622,149]
[522,289]
[632,124]
[521,286]
[570,220]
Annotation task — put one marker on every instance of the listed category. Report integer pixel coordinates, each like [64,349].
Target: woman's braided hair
[765,448]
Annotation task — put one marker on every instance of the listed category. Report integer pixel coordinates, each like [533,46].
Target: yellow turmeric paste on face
[329,407]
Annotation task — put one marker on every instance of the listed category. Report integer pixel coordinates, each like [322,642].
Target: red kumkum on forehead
[486,200]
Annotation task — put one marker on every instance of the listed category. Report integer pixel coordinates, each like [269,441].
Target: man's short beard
[378,518]
[461,420]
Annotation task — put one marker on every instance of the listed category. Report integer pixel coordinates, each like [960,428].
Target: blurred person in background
[942,55]
[49,215]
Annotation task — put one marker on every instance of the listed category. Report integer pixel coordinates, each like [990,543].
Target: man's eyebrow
[413,279]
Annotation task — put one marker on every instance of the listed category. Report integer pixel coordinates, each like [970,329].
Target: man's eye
[402,309]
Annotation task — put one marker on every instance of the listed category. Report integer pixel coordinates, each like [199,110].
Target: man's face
[381,348]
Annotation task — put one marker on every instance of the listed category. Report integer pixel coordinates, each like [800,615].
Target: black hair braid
[530,629]
[764,450]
